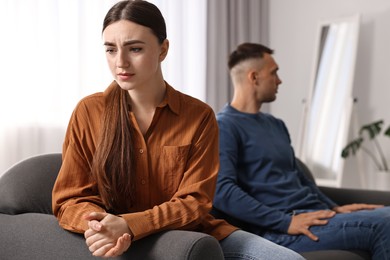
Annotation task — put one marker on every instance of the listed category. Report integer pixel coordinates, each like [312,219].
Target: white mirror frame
[327,111]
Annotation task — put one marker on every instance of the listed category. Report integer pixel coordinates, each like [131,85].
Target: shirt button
[143,182]
[141,150]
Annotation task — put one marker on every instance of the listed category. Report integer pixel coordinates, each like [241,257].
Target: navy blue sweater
[259,182]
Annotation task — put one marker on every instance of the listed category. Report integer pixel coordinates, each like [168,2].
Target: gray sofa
[30,231]
[341,196]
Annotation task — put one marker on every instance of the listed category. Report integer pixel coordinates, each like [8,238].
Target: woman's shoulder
[97,99]
[91,101]
[190,100]
[185,102]
[89,108]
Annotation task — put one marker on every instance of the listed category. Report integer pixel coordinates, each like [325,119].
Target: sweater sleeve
[314,188]
[231,198]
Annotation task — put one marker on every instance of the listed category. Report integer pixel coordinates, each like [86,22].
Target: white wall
[293,28]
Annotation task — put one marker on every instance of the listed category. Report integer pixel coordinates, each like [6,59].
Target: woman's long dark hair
[113,163]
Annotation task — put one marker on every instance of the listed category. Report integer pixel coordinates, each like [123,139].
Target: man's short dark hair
[247,51]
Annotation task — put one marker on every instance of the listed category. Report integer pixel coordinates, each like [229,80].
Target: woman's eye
[110,51]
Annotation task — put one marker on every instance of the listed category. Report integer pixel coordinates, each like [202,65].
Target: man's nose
[278,81]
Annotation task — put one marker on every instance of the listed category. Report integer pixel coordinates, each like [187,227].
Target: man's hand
[355,207]
[301,223]
[108,235]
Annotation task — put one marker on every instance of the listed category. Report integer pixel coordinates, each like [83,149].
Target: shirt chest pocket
[174,161]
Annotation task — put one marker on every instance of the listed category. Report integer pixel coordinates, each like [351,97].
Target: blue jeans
[365,230]
[244,245]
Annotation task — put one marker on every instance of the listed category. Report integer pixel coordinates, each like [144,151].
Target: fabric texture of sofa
[30,231]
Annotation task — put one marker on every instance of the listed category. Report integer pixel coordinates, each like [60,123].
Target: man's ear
[253,76]
[164,50]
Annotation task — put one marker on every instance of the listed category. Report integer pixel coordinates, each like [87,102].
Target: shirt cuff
[139,224]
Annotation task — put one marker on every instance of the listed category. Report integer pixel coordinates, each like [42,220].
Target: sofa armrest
[27,185]
[38,236]
[344,196]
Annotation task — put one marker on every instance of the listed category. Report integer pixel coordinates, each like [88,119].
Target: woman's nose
[122,60]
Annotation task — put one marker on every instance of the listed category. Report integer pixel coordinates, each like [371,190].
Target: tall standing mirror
[329,104]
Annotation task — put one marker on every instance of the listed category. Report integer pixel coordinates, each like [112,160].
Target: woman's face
[133,54]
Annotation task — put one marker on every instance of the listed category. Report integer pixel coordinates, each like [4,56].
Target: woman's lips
[125,76]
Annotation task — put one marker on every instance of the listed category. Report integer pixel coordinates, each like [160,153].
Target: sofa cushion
[27,186]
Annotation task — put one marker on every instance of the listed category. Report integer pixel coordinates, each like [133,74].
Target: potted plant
[373,130]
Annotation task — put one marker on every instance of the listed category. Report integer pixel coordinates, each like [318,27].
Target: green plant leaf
[387,132]
[352,147]
[372,129]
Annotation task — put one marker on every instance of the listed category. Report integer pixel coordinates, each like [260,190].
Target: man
[259,183]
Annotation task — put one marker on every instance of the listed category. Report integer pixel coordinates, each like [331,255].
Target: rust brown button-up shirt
[177,163]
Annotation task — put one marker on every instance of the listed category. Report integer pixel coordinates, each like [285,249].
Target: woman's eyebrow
[126,43]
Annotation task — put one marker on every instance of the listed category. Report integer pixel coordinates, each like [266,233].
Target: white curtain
[53,56]
[229,23]
[185,65]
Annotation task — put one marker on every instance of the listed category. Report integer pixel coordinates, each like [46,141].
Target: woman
[140,157]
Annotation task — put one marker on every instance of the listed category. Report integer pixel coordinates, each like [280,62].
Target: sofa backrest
[27,186]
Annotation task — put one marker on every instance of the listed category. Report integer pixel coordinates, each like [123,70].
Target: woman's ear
[164,50]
